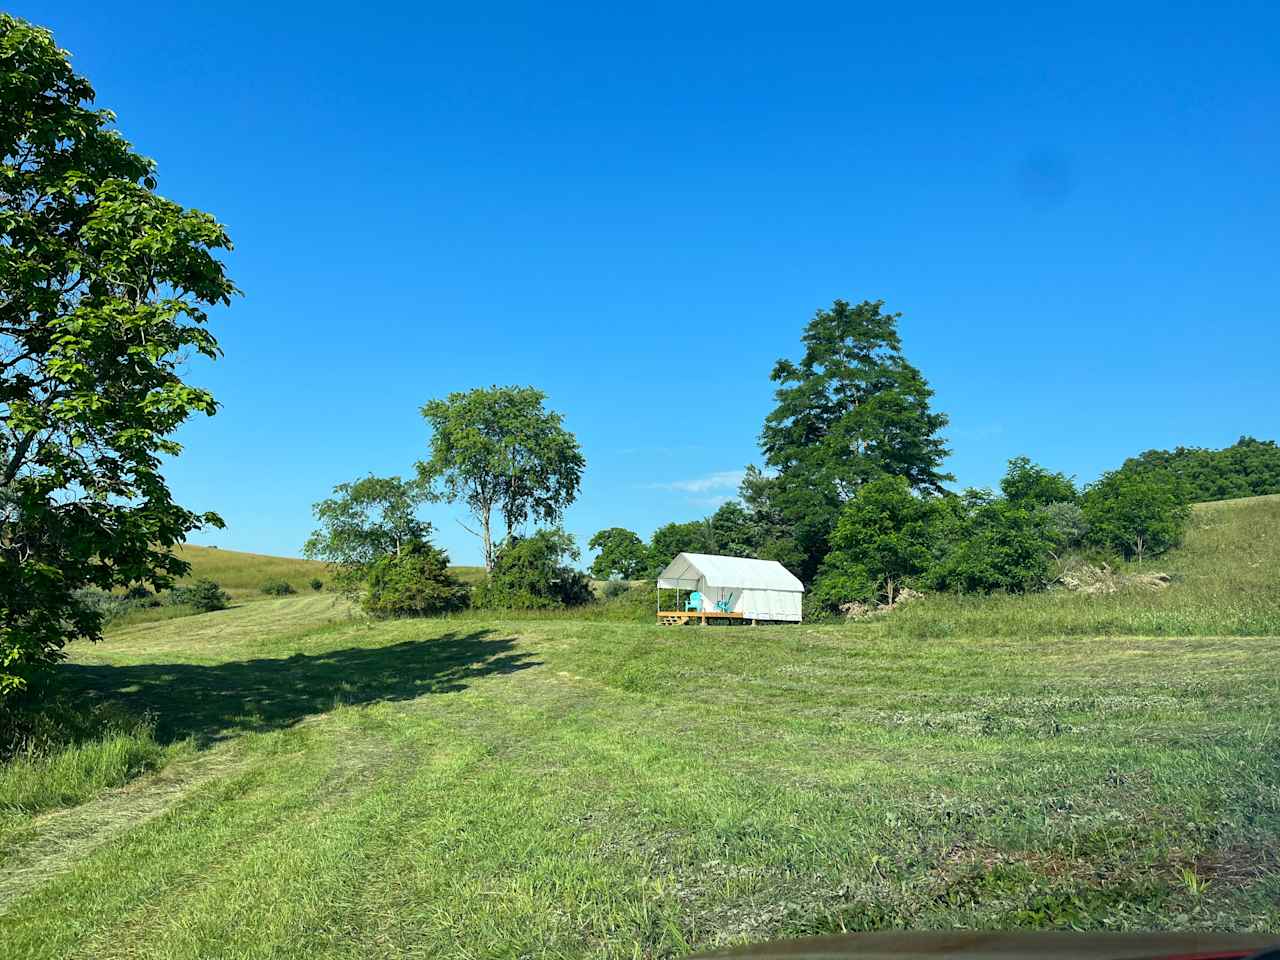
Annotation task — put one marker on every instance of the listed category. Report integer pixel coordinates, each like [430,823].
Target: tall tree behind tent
[850,410]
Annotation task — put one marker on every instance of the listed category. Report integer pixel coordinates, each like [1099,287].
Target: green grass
[566,788]
[1226,583]
[242,574]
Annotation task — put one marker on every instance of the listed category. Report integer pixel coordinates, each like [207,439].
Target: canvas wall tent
[757,589]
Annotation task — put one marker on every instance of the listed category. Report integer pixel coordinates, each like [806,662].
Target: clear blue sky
[1076,209]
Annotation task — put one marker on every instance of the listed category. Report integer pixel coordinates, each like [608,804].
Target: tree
[851,410]
[622,554]
[104,287]
[533,573]
[886,536]
[365,521]
[414,582]
[995,544]
[673,538]
[733,530]
[1136,514]
[1247,468]
[1030,485]
[500,449]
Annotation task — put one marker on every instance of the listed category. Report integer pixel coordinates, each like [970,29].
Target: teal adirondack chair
[694,602]
[725,605]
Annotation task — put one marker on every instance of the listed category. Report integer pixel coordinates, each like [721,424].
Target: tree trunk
[487,537]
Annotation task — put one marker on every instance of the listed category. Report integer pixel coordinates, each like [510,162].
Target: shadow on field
[214,702]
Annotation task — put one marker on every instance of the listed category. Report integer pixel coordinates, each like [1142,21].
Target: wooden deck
[673,618]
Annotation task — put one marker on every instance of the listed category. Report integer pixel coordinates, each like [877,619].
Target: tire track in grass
[53,842]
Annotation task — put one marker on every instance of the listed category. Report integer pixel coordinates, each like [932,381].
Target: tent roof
[728,572]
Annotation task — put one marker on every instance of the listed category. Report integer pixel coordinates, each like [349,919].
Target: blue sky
[636,210]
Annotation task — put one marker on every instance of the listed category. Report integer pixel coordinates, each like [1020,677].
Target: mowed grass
[515,787]
[242,574]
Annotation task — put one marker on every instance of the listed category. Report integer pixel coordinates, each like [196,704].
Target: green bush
[203,595]
[1000,546]
[416,583]
[316,584]
[1137,514]
[532,573]
[277,587]
[1067,524]
[615,588]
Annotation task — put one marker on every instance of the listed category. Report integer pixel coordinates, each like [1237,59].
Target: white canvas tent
[755,589]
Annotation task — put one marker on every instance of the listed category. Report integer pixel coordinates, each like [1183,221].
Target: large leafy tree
[1137,514]
[852,409]
[104,286]
[366,521]
[695,536]
[621,553]
[500,449]
[886,536]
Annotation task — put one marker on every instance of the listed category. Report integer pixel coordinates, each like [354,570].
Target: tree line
[852,497]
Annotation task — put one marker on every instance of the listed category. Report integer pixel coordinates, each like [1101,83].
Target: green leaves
[1136,513]
[622,554]
[501,449]
[850,411]
[103,291]
[364,522]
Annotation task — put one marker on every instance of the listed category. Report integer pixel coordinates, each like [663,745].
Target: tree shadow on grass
[213,702]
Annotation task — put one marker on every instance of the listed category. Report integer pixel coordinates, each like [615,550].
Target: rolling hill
[242,574]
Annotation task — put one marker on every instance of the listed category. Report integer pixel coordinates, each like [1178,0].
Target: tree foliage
[104,287]
[851,410]
[885,538]
[1138,514]
[364,521]
[1030,485]
[500,449]
[414,582]
[1247,468]
[995,544]
[622,554]
[670,539]
[533,573]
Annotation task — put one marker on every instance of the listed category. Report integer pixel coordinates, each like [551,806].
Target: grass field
[313,785]
[242,574]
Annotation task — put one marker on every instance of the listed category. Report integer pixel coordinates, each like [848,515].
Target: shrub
[316,584]
[616,588]
[203,595]
[532,573]
[277,587]
[1066,522]
[1000,546]
[416,583]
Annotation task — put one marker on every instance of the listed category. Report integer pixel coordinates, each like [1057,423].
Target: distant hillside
[1226,581]
[242,574]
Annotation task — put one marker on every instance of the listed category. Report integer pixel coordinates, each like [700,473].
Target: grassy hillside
[242,574]
[562,788]
[1226,581]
